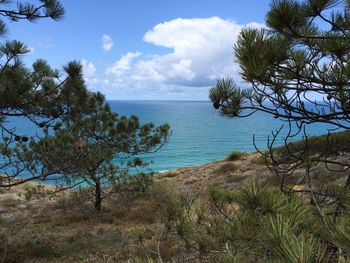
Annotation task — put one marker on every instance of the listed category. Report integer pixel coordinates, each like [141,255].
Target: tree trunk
[98,199]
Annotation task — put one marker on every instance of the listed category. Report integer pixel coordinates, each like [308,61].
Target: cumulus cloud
[89,69]
[95,82]
[201,52]
[123,65]
[107,42]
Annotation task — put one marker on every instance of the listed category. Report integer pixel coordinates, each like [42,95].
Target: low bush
[255,223]
[225,168]
[234,156]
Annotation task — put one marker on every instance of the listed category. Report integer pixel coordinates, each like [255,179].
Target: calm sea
[199,134]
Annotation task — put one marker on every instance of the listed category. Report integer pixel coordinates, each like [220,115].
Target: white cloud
[89,69]
[94,82]
[123,65]
[107,42]
[202,51]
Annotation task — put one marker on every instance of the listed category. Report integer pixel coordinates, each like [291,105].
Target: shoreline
[190,178]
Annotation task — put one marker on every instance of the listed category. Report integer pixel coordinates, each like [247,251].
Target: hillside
[37,226]
[64,227]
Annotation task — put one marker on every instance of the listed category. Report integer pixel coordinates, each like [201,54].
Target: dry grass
[234,179]
[226,168]
[67,229]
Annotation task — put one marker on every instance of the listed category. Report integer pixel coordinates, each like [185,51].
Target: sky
[144,49]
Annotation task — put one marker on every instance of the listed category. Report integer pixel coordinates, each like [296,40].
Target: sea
[199,134]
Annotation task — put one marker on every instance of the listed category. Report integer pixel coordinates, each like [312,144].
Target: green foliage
[289,247]
[81,137]
[48,8]
[234,156]
[303,53]
[225,168]
[337,229]
[256,222]
[129,186]
[98,148]
[333,144]
[36,192]
[305,49]
[44,96]
[225,89]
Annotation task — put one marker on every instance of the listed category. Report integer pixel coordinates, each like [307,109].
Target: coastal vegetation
[233,156]
[281,204]
[303,54]
[192,215]
[102,142]
[42,96]
[80,138]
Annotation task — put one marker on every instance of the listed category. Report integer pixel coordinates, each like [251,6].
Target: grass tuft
[234,156]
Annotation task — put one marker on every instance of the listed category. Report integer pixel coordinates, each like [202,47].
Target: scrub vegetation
[67,193]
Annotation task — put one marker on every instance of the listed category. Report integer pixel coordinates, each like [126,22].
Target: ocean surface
[199,134]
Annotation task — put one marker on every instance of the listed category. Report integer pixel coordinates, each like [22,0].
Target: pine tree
[303,54]
[297,69]
[253,223]
[40,94]
[97,149]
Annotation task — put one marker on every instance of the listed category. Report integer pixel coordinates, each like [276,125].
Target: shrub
[256,222]
[234,179]
[234,156]
[225,168]
[36,192]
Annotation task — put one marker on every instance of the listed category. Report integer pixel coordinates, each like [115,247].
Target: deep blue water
[199,134]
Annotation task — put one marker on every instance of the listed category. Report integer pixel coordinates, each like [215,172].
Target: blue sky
[144,49]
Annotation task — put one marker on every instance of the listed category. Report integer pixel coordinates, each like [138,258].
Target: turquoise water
[199,134]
